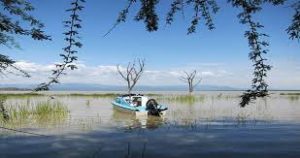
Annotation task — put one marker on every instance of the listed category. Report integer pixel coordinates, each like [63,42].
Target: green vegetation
[291,96]
[104,95]
[226,96]
[189,99]
[289,93]
[108,95]
[71,94]
[35,112]
[20,94]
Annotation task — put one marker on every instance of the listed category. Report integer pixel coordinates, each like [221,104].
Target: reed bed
[290,94]
[185,99]
[294,97]
[94,95]
[19,95]
[35,112]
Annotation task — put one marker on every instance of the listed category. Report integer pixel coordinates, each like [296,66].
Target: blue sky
[223,51]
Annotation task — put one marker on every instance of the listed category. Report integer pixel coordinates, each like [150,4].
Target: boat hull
[123,110]
[133,110]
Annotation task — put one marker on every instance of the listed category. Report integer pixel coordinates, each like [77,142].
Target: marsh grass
[24,95]
[104,95]
[291,96]
[94,95]
[184,99]
[35,112]
[19,95]
[294,97]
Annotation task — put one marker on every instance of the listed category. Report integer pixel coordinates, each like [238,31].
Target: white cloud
[107,74]
[208,73]
[33,67]
[101,74]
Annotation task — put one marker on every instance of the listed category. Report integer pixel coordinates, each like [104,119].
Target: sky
[220,56]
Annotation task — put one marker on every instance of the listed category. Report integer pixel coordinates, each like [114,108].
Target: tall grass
[35,112]
[20,95]
[184,99]
[291,96]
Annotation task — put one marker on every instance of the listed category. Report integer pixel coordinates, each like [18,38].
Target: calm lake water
[210,125]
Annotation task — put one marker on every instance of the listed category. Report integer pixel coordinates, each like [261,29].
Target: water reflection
[131,121]
[208,125]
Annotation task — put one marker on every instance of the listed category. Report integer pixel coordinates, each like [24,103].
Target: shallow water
[212,125]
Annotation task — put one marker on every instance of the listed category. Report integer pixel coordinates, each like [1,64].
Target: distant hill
[13,89]
[98,87]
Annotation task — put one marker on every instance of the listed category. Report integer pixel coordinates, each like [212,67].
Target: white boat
[139,104]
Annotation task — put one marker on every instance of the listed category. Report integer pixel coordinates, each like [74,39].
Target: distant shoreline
[139,88]
[164,90]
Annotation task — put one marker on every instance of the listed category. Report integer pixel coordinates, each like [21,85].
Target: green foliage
[122,16]
[11,26]
[6,62]
[72,42]
[147,13]
[294,29]
[202,9]
[258,47]
[176,6]
[19,9]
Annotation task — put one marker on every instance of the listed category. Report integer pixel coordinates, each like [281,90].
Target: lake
[210,124]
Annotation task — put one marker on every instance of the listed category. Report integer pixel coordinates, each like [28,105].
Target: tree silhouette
[191,80]
[132,73]
[294,29]
[20,9]
[71,38]
[6,63]
[11,28]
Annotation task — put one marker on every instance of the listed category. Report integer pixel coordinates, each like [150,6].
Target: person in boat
[137,101]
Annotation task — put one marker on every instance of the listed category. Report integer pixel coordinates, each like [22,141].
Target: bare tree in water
[132,73]
[191,79]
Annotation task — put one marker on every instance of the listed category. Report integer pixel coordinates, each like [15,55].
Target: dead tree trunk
[191,80]
[132,73]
